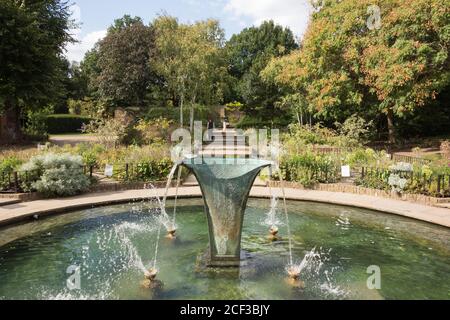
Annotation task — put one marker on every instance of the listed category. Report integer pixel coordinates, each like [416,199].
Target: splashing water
[271,217]
[163,217]
[283,190]
[122,232]
[311,263]
[329,288]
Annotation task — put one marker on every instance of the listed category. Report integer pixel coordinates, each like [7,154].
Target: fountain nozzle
[273,230]
[294,277]
[150,281]
[151,274]
[293,273]
[273,233]
[171,233]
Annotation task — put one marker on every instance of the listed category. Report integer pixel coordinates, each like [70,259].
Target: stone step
[443,205]
[7,202]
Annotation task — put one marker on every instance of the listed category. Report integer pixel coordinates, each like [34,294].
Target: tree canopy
[33,35]
[345,67]
[248,54]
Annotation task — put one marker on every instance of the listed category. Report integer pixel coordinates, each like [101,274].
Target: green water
[109,244]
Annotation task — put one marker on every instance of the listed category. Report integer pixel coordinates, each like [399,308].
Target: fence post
[439,184]
[91,170]
[126,171]
[16,182]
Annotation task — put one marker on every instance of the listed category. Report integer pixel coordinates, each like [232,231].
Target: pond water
[111,245]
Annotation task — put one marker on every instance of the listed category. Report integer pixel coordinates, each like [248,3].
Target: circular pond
[102,252]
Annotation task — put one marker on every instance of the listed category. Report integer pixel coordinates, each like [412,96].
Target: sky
[95,16]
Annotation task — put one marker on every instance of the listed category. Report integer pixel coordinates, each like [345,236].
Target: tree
[32,42]
[248,54]
[344,67]
[190,61]
[121,67]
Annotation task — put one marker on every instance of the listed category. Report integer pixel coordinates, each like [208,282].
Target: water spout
[283,190]
[225,185]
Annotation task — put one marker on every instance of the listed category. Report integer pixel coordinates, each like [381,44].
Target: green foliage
[110,132]
[355,130]
[343,67]
[154,131]
[33,37]
[9,164]
[124,64]
[147,170]
[366,157]
[190,59]
[58,174]
[36,128]
[251,122]
[248,54]
[309,169]
[65,123]
[86,107]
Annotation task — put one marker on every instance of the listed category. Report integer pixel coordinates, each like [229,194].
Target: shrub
[366,157]
[309,169]
[9,164]
[58,174]
[355,130]
[65,123]
[36,126]
[154,131]
[109,132]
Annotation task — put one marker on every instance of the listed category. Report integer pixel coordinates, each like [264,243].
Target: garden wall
[347,188]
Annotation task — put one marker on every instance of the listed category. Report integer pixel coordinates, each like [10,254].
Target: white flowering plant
[58,174]
[397,181]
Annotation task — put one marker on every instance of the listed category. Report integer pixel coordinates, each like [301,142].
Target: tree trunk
[298,118]
[10,130]
[181,111]
[391,126]
[191,118]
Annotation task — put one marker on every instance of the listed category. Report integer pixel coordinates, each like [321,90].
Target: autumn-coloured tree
[347,64]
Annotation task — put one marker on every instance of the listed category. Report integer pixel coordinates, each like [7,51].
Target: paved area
[6,201]
[25,211]
[71,139]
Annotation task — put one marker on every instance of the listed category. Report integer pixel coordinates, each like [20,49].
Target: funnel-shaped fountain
[225,185]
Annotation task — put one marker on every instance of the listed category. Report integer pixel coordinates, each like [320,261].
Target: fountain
[225,184]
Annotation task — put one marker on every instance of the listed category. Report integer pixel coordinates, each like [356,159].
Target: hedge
[65,123]
[248,122]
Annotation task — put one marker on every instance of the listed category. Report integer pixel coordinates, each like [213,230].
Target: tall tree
[346,66]
[248,54]
[33,37]
[123,68]
[191,62]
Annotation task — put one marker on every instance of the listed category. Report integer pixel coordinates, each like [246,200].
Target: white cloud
[294,14]
[76,51]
